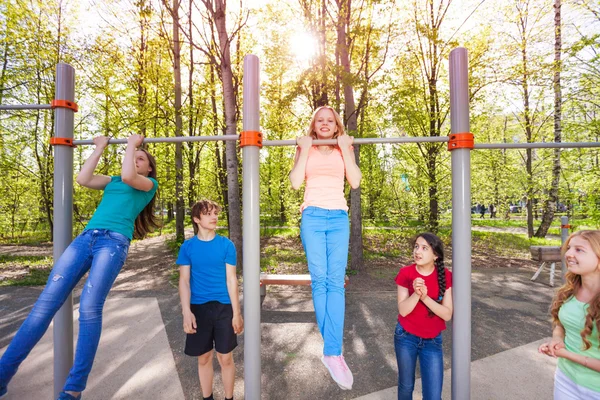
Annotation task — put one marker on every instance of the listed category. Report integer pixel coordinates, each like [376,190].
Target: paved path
[509,314]
[135,361]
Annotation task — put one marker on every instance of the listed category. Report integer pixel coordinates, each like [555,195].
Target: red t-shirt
[419,322]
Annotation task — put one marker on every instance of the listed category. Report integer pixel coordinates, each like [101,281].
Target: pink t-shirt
[325,174]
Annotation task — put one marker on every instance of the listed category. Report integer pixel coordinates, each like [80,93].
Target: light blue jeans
[408,348]
[103,253]
[325,235]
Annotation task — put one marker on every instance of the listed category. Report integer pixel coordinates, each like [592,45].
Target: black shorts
[213,329]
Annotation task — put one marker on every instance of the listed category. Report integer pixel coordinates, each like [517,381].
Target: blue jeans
[103,253]
[325,235]
[431,359]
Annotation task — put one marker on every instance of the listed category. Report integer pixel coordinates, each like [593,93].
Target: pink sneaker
[339,371]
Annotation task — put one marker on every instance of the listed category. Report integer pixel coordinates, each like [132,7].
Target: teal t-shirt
[572,317]
[120,206]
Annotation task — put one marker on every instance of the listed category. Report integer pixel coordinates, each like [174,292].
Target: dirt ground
[151,261]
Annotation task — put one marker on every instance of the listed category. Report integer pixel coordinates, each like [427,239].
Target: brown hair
[146,221]
[572,286]
[338,122]
[203,206]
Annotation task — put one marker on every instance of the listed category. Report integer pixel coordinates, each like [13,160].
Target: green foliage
[398,72]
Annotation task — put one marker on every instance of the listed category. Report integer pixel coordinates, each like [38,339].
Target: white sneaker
[339,371]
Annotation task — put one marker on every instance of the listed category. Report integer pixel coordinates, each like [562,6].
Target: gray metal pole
[26,107]
[403,139]
[251,231]
[178,139]
[63,219]
[461,228]
[564,234]
[538,145]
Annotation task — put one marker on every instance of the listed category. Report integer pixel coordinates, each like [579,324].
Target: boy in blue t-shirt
[210,303]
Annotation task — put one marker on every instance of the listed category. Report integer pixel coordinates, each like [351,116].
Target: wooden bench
[545,254]
[289,280]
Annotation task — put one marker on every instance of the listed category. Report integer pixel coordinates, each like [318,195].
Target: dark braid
[441,271]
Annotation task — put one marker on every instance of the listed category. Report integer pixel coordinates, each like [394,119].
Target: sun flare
[303,46]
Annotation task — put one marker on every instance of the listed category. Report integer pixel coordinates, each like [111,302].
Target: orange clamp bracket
[61,141]
[64,104]
[251,138]
[461,141]
[567,226]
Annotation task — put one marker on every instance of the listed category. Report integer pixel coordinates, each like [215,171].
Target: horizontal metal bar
[324,142]
[25,107]
[550,145]
[178,139]
[361,141]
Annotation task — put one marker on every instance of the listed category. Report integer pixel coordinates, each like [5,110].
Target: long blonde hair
[572,286]
[338,121]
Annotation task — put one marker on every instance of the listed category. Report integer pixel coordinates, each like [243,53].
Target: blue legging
[325,235]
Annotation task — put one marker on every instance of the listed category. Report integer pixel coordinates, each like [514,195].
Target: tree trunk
[550,204]
[350,119]
[528,126]
[194,149]
[229,99]
[179,202]
[142,91]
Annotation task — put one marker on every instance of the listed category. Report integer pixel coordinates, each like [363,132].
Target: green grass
[287,231]
[508,244]
[273,257]
[30,238]
[38,269]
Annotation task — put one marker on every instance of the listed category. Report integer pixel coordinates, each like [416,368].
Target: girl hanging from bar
[325,229]
[126,211]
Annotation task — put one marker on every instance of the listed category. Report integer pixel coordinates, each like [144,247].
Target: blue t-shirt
[208,275]
[120,206]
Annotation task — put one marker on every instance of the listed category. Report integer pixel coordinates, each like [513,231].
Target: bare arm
[232,289]
[185,295]
[129,174]
[556,343]
[86,175]
[353,174]
[298,172]
[586,361]
[443,310]
[406,303]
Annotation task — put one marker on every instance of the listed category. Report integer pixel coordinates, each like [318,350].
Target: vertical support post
[63,219]
[564,234]
[461,228]
[251,232]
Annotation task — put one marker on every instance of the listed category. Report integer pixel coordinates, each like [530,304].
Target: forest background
[174,68]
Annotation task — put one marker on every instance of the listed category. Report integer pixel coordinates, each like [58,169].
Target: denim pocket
[310,210]
[400,332]
[118,237]
[437,340]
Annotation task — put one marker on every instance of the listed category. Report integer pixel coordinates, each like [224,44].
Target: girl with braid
[424,306]
[576,318]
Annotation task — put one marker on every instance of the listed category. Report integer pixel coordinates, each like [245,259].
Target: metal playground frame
[460,143]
